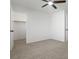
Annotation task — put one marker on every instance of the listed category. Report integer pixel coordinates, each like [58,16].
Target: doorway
[20,30]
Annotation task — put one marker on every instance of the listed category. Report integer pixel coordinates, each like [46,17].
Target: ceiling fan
[52,3]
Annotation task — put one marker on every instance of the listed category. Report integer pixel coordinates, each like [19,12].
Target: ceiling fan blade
[54,6]
[44,5]
[59,1]
[45,0]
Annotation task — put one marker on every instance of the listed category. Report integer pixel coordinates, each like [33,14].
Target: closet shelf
[19,21]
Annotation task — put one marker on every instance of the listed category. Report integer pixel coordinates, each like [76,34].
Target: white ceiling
[36,5]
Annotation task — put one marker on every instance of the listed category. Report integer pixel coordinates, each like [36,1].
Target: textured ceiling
[36,5]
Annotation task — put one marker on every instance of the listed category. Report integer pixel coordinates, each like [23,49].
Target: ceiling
[36,5]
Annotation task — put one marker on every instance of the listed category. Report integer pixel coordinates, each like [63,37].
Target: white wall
[58,26]
[41,26]
[38,26]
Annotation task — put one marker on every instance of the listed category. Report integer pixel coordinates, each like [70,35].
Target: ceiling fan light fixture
[50,3]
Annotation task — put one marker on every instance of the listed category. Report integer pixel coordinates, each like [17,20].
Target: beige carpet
[46,49]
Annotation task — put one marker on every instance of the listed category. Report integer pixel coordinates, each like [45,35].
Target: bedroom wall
[58,26]
[38,26]
[41,26]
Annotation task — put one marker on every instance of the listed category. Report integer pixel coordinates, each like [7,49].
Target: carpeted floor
[46,49]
